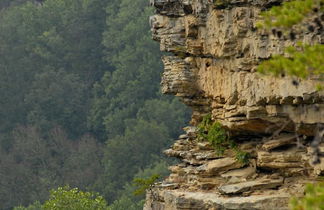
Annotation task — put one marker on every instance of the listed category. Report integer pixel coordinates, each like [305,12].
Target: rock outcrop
[215,49]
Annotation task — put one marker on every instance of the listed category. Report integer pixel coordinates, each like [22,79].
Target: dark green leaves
[288,14]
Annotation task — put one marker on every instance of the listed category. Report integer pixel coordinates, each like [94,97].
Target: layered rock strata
[215,49]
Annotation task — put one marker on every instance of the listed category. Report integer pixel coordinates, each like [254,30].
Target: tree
[127,111]
[60,39]
[73,72]
[55,99]
[303,60]
[36,163]
[313,199]
[65,198]
[35,206]
[136,59]
[142,144]
[9,3]
[127,198]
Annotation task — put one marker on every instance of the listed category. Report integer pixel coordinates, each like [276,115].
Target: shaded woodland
[80,102]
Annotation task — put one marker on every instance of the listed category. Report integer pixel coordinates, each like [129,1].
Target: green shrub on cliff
[65,198]
[313,199]
[143,184]
[288,14]
[302,61]
[35,206]
[216,135]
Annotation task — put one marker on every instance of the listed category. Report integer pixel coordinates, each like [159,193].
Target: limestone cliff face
[215,49]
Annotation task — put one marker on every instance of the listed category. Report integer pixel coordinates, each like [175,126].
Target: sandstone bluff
[215,50]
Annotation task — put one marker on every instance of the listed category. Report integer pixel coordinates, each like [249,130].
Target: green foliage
[127,111]
[214,133]
[69,93]
[80,102]
[59,39]
[203,127]
[127,199]
[241,156]
[65,198]
[221,3]
[313,199]
[144,184]
[217,137]
[302,62]
[142,143]
[167,111]
[35,163]
[137,65]
[287,14]
[125,202]
[35,206]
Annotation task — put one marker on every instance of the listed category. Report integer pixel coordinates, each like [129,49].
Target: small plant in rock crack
[242,157]
[216,135]
[144,184]
[221,4]
[218,138]
[203,127]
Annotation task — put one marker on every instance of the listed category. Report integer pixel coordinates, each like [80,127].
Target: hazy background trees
[80,102]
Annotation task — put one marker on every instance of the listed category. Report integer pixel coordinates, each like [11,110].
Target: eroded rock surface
[215,49]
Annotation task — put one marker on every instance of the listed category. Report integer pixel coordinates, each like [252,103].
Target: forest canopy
[80,103]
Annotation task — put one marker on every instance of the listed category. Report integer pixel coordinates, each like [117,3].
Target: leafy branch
[144,184]
[313,199]
[303,61]
[288,14]
[218,138]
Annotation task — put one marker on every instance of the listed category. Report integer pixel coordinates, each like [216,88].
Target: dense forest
[80,104]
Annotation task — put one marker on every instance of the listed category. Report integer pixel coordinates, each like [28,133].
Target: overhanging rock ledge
[215,51]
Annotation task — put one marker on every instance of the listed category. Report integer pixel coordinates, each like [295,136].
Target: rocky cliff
[214,48]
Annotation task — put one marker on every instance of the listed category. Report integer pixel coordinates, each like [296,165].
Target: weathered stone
[174,200]
[224,49]
[180,147]
[280,141]
[217,166]
[250,186]
[191,131]
[319,165]
[204,146]
[240,173]
[168,185]
[215,49]
[206,155]
[286,160]
[193,161]
[183,136]
[175,178]
[177,169]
